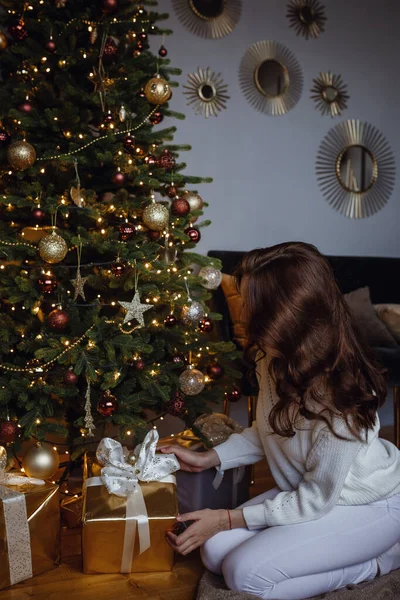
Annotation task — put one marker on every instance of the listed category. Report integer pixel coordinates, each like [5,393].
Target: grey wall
[265,190]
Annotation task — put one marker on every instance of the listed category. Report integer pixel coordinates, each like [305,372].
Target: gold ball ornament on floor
[3,41]
[157,90]
[21,155]
[156,216]
[41,461]
[191,381]
[53,248]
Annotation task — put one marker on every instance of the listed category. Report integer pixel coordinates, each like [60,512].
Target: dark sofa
[381,275]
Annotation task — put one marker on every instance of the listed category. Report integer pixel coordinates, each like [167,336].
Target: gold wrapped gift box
[104,521]
[71,511]
[43,513]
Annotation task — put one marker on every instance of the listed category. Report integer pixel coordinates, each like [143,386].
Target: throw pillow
[234,301]
[390,315]
[367,321]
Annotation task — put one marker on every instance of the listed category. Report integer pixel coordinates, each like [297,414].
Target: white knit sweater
[314,469]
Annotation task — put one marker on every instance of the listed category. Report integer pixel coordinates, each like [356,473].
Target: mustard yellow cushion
[234,301]
[390,315]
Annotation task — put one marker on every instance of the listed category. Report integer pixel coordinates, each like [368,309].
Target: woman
[334,517]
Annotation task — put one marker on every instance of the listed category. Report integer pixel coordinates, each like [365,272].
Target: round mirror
[356,169]
[271,78]
[307,15]
[207,9]
[207,92]
[330,94]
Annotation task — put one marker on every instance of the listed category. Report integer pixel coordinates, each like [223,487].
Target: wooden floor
[68,581]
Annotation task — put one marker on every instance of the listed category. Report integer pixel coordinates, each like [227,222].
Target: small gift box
[29,528]
[128,508]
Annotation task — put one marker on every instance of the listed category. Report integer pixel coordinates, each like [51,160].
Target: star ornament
[78,284]
[135,309]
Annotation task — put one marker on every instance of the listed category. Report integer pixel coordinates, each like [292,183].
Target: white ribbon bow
[122,479]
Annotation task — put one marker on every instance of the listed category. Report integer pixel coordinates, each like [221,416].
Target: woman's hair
[295,313]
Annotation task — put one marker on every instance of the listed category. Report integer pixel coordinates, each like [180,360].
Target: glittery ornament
[166,161]
[176,406]
[107,404]
[192,313]
[93,35]
[206,325]
[88,419]
[156,117]
[47,283]
[118,178]
[118,268]
[110,50]
[52,248]
[8,431]
[17,31]
[3,459]
[41,461]
[171,191]
[211,276]
[156,216]
[58,319]
[157,90]
[196,203]
[78,284]
[191,381]
[234,395]
[38,214]
[193,233]
[162,52]
[21,155]
[122,114]
[70,378]
[126,231]
[170,321]
[135,309]
[3,41]
[180,207]
[215,371]
[150,160]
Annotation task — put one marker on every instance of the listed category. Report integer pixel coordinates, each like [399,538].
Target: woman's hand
[206,524]
[190,460]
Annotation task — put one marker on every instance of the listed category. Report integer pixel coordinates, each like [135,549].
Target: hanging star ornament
[78,284]
[135,309]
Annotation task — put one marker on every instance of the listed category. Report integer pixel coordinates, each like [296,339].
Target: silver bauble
[192,313]
[196,202]
[212,277]
[156,216]
[191,381]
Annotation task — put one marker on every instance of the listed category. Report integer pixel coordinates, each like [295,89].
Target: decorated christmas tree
[103,313]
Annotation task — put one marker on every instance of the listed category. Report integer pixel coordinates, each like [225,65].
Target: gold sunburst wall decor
[329,94]
[271,77]
[306,17]
[208,18]
[206,92]
[355,168]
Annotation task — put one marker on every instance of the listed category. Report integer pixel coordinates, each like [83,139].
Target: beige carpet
[212,587]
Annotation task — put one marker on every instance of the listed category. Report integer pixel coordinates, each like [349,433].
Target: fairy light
[129,432]
[37,421]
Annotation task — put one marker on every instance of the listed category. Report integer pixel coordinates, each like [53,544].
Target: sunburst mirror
[329,94]
[356,169]
[306,17]
[208,18]
[271,77]
[206,92]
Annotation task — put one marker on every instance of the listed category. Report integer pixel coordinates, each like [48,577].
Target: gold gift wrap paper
[186,439]
[71,511]
[43,514]
[104,522]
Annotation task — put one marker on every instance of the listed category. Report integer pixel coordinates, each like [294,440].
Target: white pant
[293,562]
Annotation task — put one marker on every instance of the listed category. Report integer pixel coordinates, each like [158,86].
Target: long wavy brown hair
[295,313]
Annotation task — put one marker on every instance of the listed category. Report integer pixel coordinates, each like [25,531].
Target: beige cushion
[234,301]
[390,315]
[367,321]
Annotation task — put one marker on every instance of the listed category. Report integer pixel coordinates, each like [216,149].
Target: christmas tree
[103,314]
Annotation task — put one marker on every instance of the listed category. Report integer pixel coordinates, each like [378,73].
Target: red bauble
[162,52]
[176,406]
[126,231]
[139,46]
[193,233]
[25,107]
[141,93]
[180,207]
[143,36]
[154,235]
[156,117]
[107,404]
[18,31]
[206,325]
[170,321]
[51,46]
[70,378]
[166,161]
[8,431]
[58,319]
[4,137]
[234,395]
[47,283]
[129,144]
[151,160]
[118,178]
[171,191]
[139,364]
[215,371]
[110,6]
[38,214]
[118,268]
[110,49]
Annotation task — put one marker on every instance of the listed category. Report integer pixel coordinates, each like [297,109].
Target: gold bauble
[3,459]
[156,216]
[53,248]
[41,461]
[3,41]
[157,90]
[196,202]
[21,155]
